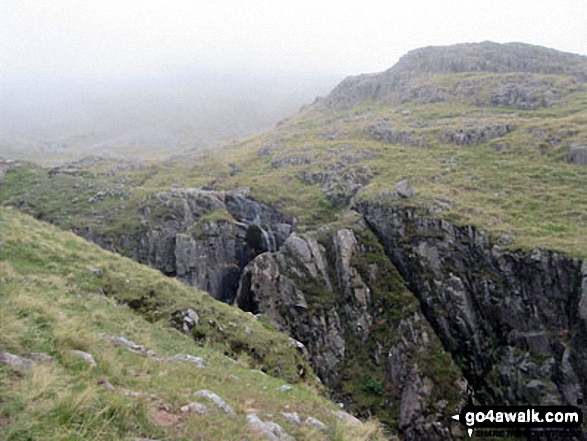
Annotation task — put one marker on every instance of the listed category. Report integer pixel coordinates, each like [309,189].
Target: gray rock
[271,431]
[96,272]
[476,134]
[381,131]
[125,343]
[347,417]
[404,189]
[88,358]
[311,421]
[218,402]
[195,408]
[285,388]
[14,360]
[190,319]
[292,417]
[181,358]
[472,290]
[397,83]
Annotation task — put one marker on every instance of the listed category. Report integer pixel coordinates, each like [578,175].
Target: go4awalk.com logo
[520,417]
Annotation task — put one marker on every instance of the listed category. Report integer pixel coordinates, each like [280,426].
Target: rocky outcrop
[201,237]
[339,183]
[399,81]
[475,133]
[381,131]
[513,319]
[334,291]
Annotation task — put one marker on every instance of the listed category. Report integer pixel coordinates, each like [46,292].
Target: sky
[80,38]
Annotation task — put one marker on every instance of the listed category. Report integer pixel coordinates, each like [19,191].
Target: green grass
[51,302]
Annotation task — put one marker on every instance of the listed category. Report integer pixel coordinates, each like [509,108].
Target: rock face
[526,92]
[334,291]
[515,320]
[200,237]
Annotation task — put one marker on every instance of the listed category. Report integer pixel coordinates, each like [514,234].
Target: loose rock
[88,358]
[271,430]
[219,402]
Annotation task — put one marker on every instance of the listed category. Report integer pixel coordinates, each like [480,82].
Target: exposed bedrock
[336,292]
[515,321]
[204,238]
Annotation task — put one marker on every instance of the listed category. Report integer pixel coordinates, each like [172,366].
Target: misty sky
[45,38]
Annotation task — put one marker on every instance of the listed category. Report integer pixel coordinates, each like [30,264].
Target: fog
[121,76]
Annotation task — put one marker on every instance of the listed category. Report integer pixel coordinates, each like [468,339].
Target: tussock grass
[50,302]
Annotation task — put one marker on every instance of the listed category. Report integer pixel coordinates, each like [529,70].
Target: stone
[96,272]
[311,421]
[180,358]
[271,430]
[292,417]
[404,189]
[88,358]
[476,134]
[347,417]
[285,388]
[195,408]
[125,343]
[218,402]
[14,360]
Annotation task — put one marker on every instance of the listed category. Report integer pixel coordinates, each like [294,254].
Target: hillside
[419,230]
[60,294]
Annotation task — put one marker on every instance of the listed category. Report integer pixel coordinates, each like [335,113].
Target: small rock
[404,189]
[347,417]
[199,361]
[195,408]
[271,430]
[130,345]
[284,388]
[292,417]
[191,318]
[248,331]
[88,358]
[316,423]
[14,360]
[444,203]
[219,402]
[96,272]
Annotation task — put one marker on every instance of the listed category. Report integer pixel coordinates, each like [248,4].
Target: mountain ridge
[467,57]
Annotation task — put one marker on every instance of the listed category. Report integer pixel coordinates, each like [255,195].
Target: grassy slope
[51,302]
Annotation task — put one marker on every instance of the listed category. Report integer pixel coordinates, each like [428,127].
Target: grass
[51,302]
